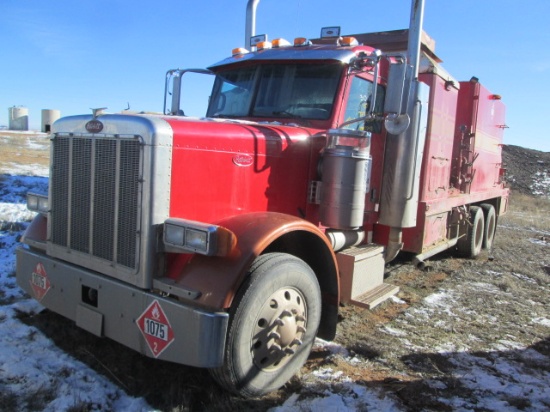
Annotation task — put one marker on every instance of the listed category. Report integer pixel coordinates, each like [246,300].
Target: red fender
[36,233]
[218,278]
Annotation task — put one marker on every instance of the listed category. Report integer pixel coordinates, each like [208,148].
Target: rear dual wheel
[471,243]
[490,225]
[273,323]
[480,231]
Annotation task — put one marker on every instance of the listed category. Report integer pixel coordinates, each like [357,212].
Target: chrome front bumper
[153,325]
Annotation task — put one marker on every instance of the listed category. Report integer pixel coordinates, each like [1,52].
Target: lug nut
[274,335]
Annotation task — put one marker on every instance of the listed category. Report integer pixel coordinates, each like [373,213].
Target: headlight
[198,239]
[37,203]
[174,235]
[185,236]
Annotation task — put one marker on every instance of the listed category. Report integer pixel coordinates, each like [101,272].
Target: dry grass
[528,212]
[523,240]
[23,149]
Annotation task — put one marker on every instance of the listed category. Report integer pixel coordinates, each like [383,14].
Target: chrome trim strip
[315,52]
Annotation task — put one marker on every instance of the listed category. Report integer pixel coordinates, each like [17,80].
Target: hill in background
[528,171]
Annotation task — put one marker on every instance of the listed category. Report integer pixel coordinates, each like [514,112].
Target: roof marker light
[280,43]
[255,40]
[301,42]
[239,51]
[348,41]
[263,45]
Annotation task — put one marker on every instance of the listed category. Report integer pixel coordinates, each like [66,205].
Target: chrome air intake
[345,174]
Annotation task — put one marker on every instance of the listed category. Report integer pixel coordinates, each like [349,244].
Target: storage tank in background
[19,118]
[48,118]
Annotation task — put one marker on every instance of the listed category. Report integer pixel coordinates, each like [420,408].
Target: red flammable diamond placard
[156,328]
[40,283]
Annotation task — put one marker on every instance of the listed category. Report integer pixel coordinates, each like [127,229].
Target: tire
[471,243]
[490,225]
[273,324]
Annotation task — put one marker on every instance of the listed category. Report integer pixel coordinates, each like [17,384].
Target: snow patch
[30,361]
[541,321]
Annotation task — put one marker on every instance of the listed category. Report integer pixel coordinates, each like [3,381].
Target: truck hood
[229,130]
[225,168]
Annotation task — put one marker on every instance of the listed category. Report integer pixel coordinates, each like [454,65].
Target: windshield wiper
[287,114]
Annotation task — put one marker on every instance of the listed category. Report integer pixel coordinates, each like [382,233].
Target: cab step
[362,276]
[375,296]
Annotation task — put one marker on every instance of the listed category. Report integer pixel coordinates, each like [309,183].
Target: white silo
[48,117]
[19,118]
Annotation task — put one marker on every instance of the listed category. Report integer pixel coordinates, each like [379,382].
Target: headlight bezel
[186,236]
[38,202]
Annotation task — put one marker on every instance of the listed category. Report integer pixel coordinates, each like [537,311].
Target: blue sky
[74,55]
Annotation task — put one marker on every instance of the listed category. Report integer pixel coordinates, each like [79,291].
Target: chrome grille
[96,186]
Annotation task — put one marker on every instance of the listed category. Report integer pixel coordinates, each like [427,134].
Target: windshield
[276,90]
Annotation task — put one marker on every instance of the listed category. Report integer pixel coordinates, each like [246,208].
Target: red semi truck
[229,241]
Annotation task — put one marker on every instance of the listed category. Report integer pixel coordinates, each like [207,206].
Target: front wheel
[273,323]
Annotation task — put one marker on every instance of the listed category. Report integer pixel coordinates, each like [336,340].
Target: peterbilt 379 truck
[228,242]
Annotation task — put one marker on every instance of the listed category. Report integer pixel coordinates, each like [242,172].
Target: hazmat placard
[156,328]
[40,283]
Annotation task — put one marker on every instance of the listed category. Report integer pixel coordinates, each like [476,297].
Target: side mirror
[397,120]
[397,124]
[172,89]
[172,92]
[395,88]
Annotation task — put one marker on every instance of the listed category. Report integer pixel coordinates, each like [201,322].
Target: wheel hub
[279,330]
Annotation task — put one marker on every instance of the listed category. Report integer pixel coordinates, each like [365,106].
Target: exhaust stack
[250,29]
[415,36]
[400,186]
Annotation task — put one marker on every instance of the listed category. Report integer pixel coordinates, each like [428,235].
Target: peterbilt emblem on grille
[94,126]
[243,160]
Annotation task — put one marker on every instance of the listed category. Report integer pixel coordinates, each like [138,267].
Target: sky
[75,55]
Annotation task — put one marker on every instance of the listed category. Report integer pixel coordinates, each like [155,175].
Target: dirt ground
[487,308]
[453,327]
